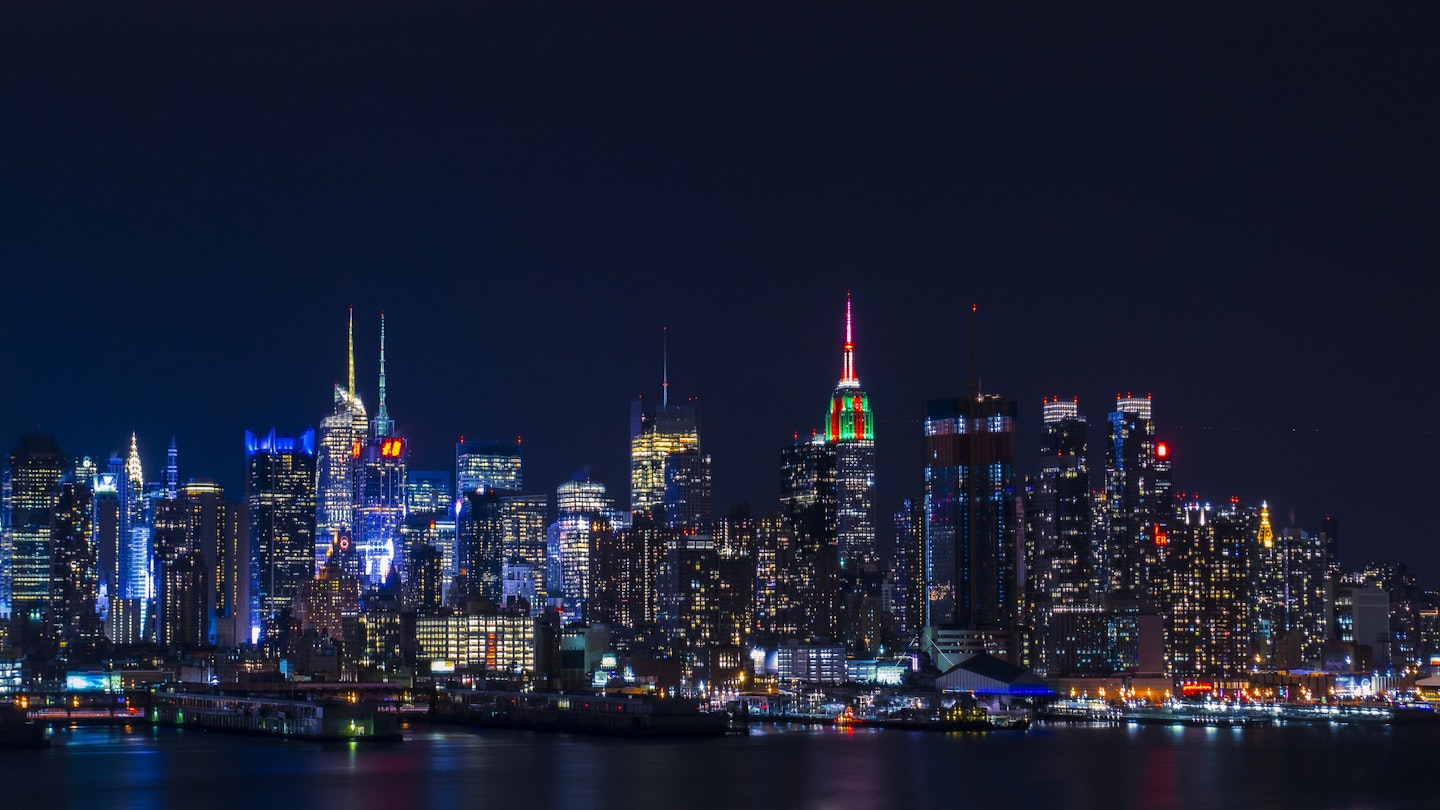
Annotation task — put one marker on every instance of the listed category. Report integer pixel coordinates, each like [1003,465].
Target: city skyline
[1239,239]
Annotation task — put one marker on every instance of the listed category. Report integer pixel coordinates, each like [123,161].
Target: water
[1054,766]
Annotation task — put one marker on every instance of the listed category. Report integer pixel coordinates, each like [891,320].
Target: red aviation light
[1162,450]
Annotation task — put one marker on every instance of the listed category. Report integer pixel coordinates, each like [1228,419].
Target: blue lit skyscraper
[280,496]
[380,489]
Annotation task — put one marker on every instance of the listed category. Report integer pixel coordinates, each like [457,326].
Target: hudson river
[1050,766]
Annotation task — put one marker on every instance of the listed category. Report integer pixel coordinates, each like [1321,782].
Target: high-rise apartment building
[1209,592]
[970,531]
[74,585]
[808,497]
[1136,503]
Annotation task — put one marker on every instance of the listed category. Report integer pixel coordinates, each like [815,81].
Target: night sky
[1235,211]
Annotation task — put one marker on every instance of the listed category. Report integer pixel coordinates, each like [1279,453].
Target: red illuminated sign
[1162,450]
[391,448]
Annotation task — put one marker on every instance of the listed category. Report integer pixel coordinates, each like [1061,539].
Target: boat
[319,720]
[581,713]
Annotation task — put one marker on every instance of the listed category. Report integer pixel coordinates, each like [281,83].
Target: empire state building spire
[847,370]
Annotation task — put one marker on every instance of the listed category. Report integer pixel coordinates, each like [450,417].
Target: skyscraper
[850,428]
[1137,505]
[280,495]
[336,459]
[36,467]
[491,465]
[583,512]
[970,516]
[655,433]
[688,501]
[1058,510]
[135,539]
[73,581]
[380,488]
[808,496]
[1208,591]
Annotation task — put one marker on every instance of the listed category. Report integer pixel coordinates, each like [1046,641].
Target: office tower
[181,618]
[280,496]
[526,518]
[377,635]
[1267,588]
[233,581]
[105,519]
[336,459]
[1137,502]
[655,433]
[380,489]
[36,467]
[501,643]
[970,530]
[737,539]
[489,465]
[850,428]
[135,542]
[74,587]
[617,578]
[206,523]
[424,580]
[480,536]
[583,512]
[429,492]
[1209,594]
[688,499]
[808,487]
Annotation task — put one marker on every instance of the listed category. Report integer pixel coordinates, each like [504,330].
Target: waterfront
[1048,766]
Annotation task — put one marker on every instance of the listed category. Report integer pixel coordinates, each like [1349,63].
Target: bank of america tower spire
[850,428]
[380,488]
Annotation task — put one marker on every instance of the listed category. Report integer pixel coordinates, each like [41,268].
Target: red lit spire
[847,370]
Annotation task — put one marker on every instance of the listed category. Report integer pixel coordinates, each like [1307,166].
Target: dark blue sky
[1233,211]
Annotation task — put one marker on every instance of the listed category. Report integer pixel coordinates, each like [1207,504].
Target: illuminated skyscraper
[336,460]
[688,499]
[1058,510]
[36,467]
[1137,503]
[1208,592]
[207,524]
[654,435]
[280,494]
[135,540]
[970,516]
[491,465]
[380,488]
[73,581]
[850,428]
[584,512]
[808,487]
[526,518]
[105,519]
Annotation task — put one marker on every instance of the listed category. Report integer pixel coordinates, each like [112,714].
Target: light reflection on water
[777,766]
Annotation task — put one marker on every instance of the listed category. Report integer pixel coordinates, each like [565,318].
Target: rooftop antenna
[847,370]
[383,425]
[974,376]
[665,367]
